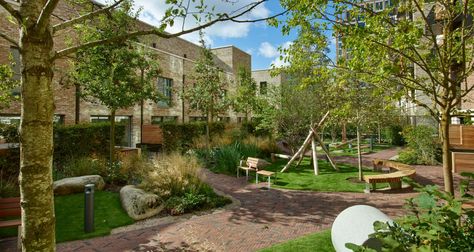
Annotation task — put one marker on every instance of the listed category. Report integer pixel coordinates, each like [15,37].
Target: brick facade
[176,60]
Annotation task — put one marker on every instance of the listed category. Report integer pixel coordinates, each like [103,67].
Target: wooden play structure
[461,139]
[312,139]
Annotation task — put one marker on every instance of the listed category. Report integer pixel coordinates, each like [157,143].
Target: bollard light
[89,208]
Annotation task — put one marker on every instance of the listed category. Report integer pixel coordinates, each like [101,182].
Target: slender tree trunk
[379,133]
[36,131]
[447,159]
[359,155]
[112,137]
[344,132]
[208,133]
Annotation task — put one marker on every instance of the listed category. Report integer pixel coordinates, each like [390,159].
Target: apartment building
[415,114]
[176,58]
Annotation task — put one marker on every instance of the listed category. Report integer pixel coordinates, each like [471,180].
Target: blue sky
[258,39]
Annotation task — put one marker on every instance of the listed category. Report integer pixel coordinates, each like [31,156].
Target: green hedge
[180,136]
[82,140]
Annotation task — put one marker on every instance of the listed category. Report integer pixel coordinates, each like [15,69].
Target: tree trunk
[359,155]
[447,159]
[36,131]
[379,133]
[112,137]
[344,132]
[208,131]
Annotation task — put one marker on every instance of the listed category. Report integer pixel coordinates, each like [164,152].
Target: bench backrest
[256,162]
[10,207]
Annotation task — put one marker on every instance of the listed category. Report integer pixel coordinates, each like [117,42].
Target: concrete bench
[10,207]
[256,165]
[394,178]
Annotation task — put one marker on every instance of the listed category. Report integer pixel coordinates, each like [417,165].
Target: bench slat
[10,223]
[10,212]
[10,200]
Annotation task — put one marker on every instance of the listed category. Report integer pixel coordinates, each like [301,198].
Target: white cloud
[280,60]
[153,12]
[267,50]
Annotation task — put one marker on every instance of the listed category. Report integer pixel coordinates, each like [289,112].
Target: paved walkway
[263,218]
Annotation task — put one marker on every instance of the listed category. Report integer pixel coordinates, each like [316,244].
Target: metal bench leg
[367,188]
[269,182]
[256,179]
[247,175]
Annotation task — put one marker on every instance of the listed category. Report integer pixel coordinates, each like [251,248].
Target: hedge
[81,140]
[180,136]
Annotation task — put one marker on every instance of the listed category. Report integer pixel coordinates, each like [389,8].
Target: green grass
[353,151]
[320,242]
[70,216]
[328,180]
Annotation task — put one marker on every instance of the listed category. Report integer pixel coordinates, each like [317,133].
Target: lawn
[328,180]
[352,152]
[70,216]
[320,242]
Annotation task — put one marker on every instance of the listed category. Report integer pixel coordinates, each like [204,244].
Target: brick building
[176,58]
[415,114]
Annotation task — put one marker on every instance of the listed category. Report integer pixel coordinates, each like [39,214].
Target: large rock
[76,184]
[139,204]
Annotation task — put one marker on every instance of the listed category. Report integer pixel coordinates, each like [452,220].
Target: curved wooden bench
[397,172]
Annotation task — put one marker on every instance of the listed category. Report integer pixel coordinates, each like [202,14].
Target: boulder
[139,204]
[76,184]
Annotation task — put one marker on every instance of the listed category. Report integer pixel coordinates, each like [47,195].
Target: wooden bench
[256,165]
[10,207]
[397,172]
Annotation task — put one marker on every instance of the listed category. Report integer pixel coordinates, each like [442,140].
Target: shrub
[10,162]
[10,133]
[226,159]
[423,145]
[437,221]
[81,166]
[180,137]
[172,175]
[84,140]
[253,129]
[394,135]
[9,187]
[175,178]
[265,145]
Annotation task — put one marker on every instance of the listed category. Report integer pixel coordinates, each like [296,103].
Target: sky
[260,40]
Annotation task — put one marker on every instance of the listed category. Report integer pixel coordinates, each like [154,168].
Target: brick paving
[263,217]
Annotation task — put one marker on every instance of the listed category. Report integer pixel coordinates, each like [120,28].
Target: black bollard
[89,208]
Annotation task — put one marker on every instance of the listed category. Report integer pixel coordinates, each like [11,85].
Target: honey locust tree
[207,94]
[422,47]
[245,98]
[116,75]
[39,42]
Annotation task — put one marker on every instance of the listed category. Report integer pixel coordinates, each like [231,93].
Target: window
[225,119]
[165,87]
[263,87]
[197,118]
[10,119]
[378,6]
[58,119]
[240,119]
[160,119]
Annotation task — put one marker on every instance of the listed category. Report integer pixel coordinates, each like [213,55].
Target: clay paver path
[263,218]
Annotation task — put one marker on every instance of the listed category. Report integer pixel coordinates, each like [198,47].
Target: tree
[117,75]
[39,49]
[422,48]
[245,99]
[208,93]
